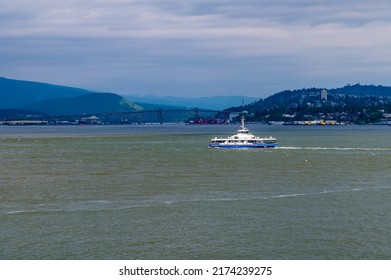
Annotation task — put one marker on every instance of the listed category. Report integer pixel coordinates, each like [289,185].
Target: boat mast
[242,121]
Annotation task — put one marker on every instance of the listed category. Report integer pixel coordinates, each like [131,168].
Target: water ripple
[334,148]
[123,205]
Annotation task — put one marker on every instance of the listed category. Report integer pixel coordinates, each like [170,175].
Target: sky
[196,48]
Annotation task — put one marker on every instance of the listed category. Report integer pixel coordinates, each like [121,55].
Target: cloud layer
[196,48]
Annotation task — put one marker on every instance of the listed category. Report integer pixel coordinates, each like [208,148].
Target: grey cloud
[203,47]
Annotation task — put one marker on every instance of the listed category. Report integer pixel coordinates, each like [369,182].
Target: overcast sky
[196,47]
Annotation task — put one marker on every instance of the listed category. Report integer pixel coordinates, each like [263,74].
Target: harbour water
[159,192]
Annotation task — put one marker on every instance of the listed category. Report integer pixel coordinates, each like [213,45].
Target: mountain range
[18,98]
[62,100]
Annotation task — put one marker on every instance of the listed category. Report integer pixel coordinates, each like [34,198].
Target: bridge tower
[196,115]
[160,115]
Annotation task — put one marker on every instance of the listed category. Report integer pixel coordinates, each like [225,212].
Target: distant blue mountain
[212,102]
[16,93]
[17,97]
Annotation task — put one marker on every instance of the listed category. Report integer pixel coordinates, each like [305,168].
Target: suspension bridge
[161,116]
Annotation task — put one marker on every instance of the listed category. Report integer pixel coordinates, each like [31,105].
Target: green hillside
[363,90]
[350,104]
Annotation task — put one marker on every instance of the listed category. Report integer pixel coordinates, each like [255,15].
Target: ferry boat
[243,139]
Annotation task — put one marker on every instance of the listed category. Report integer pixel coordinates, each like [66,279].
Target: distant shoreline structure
[100,123]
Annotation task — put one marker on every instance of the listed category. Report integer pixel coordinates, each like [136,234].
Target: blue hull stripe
[242,146]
